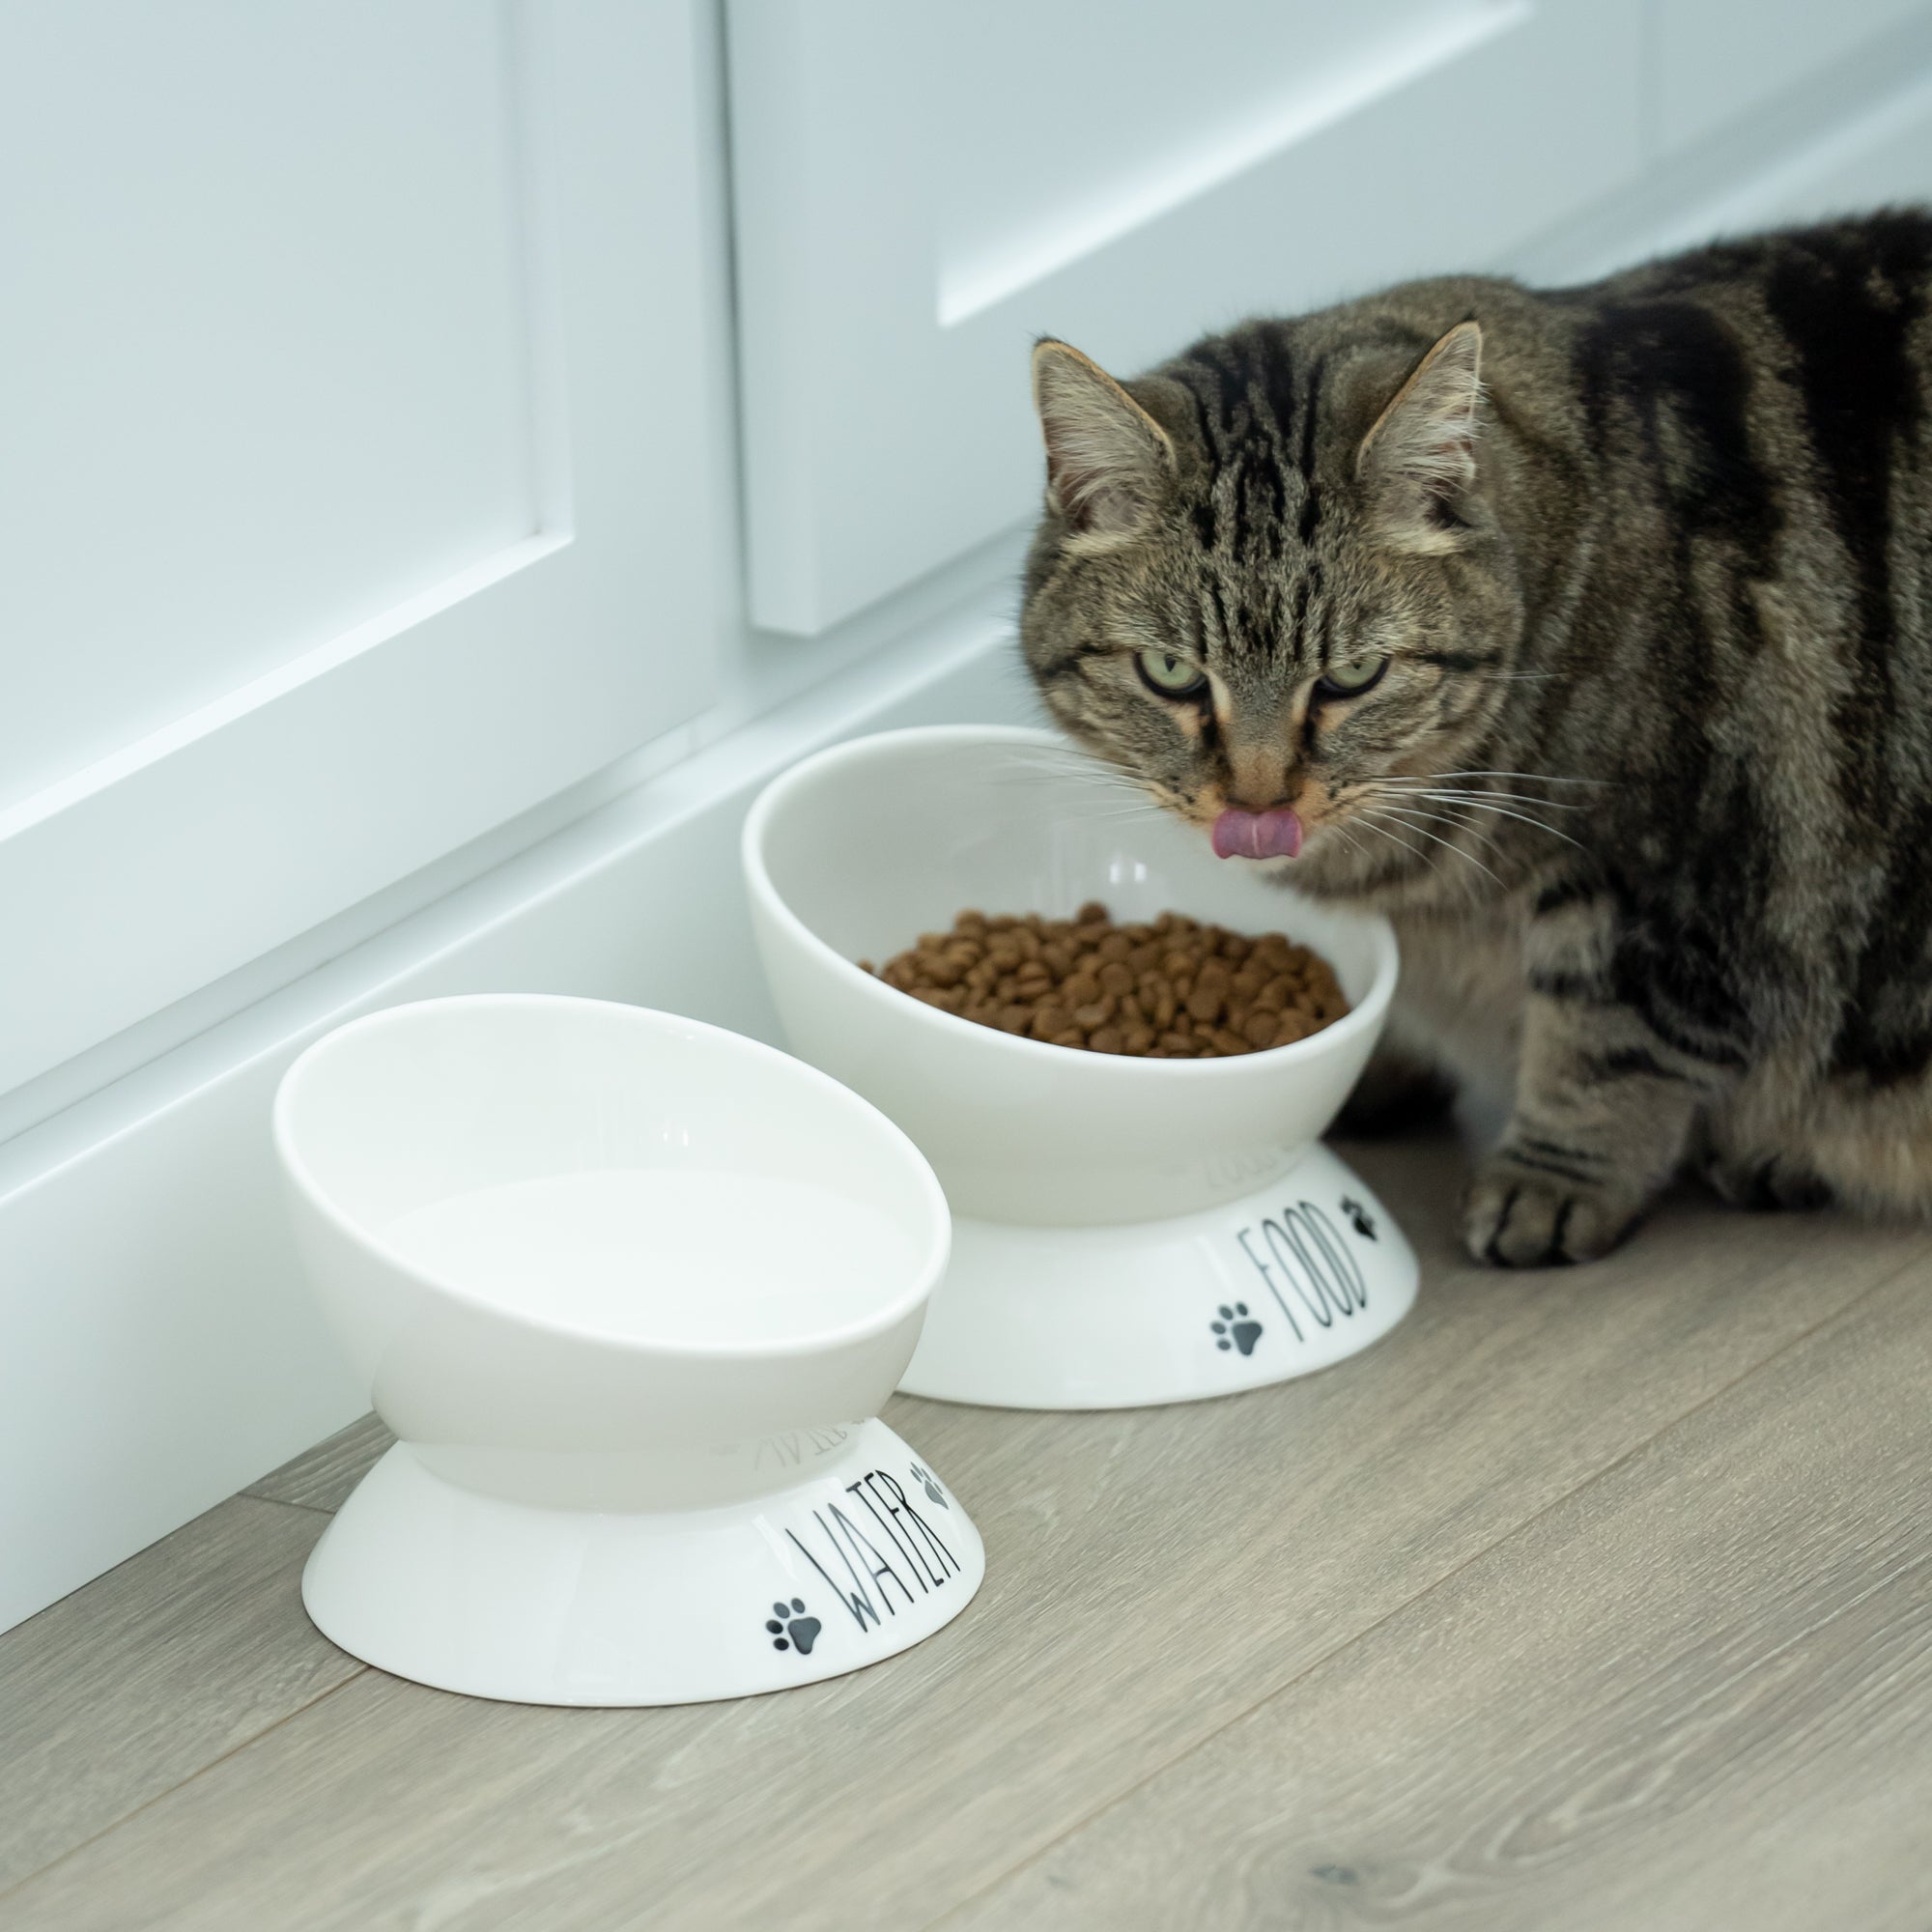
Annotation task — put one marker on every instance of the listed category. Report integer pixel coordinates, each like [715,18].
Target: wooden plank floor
[1599,1599]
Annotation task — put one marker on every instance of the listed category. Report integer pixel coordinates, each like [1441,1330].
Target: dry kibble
[1260,1029]
[1169,988]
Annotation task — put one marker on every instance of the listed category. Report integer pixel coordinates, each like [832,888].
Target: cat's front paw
[1516,1217]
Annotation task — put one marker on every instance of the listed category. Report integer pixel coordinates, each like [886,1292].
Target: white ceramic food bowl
[630,1291]
[1126,1231]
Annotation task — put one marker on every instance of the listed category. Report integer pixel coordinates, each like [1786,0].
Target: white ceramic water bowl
[630,1291]
[1126,1231]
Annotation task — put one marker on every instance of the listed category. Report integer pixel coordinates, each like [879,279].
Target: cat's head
[1271,579]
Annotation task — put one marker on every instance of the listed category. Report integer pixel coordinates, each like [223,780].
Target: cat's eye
[1170,675]
[1350,677]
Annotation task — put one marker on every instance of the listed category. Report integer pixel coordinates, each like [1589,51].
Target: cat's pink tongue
[1258,835]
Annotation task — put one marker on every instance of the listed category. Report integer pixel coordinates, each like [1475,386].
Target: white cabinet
[1717,59]
[920,190]
[354,460]
[1882,156]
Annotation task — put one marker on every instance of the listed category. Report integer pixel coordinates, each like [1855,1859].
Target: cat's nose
[1271,793]
[1258,779]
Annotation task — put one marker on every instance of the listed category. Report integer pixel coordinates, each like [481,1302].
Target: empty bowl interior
[895,835]
[605,1168]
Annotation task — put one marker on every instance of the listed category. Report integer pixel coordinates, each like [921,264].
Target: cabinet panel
[1880,155]
[1717,59]
[347,511]
[917,197]
[265,317]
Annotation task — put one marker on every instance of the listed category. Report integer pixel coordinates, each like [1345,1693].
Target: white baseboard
[162,1349]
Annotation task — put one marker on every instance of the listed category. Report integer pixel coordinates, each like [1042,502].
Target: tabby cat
[1587,633]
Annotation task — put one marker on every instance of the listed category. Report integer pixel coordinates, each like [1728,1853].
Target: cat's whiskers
[1444,818]
[1342,833]
[1121,813]
[1458,794]
[1539,778]
[1403,819]
[1367,820]
[1402,796]
[1130,796]
[1502,811]
[1347,834]
[1065,761]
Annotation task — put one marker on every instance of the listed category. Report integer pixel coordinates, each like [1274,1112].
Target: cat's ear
[1109,465]
[1419,462]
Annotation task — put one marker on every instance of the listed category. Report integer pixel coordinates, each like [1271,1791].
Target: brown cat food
[1173,989]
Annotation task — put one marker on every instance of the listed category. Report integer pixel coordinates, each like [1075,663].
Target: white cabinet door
[1878,155]
[1717,59]
[351,469]
[920,189]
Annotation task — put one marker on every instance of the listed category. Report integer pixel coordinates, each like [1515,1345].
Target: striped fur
[1647,785]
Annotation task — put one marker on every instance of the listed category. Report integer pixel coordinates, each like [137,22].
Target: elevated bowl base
[1296,1275]
[863,1555]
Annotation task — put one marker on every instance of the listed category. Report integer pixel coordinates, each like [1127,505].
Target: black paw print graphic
[922,1474]
[791,1629]
[1235,1330]
[1364,1224]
